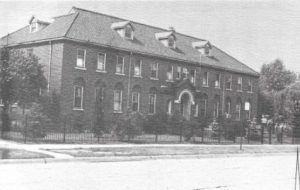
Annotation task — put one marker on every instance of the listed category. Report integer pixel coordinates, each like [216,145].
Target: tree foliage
[272,100]
[21,82]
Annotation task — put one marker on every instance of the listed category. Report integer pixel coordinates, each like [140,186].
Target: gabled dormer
[167,38]
[124,29]
[35,24]
[204,47]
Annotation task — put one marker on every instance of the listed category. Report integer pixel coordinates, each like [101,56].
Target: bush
[129,125]
[156,124]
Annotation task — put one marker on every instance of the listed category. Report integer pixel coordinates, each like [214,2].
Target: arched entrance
[185,106]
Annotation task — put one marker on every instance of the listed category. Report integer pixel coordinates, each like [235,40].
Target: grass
[6,153]
[161,151]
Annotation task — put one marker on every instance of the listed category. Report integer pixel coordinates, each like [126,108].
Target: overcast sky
[254,32]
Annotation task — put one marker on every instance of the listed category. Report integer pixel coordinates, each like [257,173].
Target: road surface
[234,173]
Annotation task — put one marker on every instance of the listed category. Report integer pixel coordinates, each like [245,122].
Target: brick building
[90,57]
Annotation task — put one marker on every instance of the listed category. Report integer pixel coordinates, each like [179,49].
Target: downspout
[129,81]
[223,97]
[49,67]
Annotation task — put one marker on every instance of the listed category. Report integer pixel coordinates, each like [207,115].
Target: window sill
[121,74]
[239,90]
[250,92]
[151,113]
[206,86]
[169,80]
[153,78]
[217,87]
[229,89]
[80,68]
[137,76]
[100,71]
[78,109]
[117,112]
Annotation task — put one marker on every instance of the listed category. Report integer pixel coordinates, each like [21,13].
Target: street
[234,173]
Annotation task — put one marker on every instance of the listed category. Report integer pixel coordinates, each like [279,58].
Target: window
[99,94]
[193,76]
[137,68]
[80,58]
[128,32]
[203,105]
[170,73]
[154,70]
[101,62]
[152,101]
[196,110]
[1,103]
[184,73]
[171,42]
[239,83]
[117,100]
[135,101]
[238,109]
[120,65]
[29,52]
[169,108]
[178,73]
[205,79]
[248,109]
[228,83]
[216,106]
[33,27]
[249,87]
[78,97]
[228,107]
[217,81]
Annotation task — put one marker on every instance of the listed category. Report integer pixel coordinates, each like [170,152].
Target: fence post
[248,135]
[156,133]
[281,136]
[202,135]
[270,134]
[180,131]
[262,133]
[65,126]
[25,130]
[219,135]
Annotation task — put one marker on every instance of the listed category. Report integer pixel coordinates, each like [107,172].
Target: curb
[135,158]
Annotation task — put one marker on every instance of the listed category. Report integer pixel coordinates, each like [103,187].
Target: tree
[273,80]
[22,80]
[6,84]
[29,79]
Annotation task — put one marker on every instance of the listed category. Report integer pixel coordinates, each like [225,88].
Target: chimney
[171,29]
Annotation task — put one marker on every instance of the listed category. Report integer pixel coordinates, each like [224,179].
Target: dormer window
[36,24]
[171,42]
[168,38]
[204,47]
[125,29]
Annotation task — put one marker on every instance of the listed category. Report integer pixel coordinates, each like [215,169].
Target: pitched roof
[96,28]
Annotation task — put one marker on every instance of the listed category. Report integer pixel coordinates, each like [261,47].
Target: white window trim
[230,78]
[121,101]
[154,104]
[140,74]
[104,63]
[240,89]
[170,105]
[205,107]
[122,69]
[186,73]
[239,111]
[219,81]
[131,33]
[195,75]
[251,84]
[172,74]
[156,66]
[138,101]
[77,67]
[178,72]
[196,114]
[81,101]
[207,82]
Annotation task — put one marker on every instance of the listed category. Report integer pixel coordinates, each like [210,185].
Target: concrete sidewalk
[204,151]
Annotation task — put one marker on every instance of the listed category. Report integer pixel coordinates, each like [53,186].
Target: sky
[254,32]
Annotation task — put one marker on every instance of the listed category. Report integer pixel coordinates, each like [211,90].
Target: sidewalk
[126,152]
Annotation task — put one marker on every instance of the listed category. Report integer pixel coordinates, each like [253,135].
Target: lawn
[6,153]
[177,150]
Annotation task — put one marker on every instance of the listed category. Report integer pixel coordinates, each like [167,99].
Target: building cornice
[194,63]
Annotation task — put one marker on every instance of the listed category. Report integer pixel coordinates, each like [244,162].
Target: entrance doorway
[186,106]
